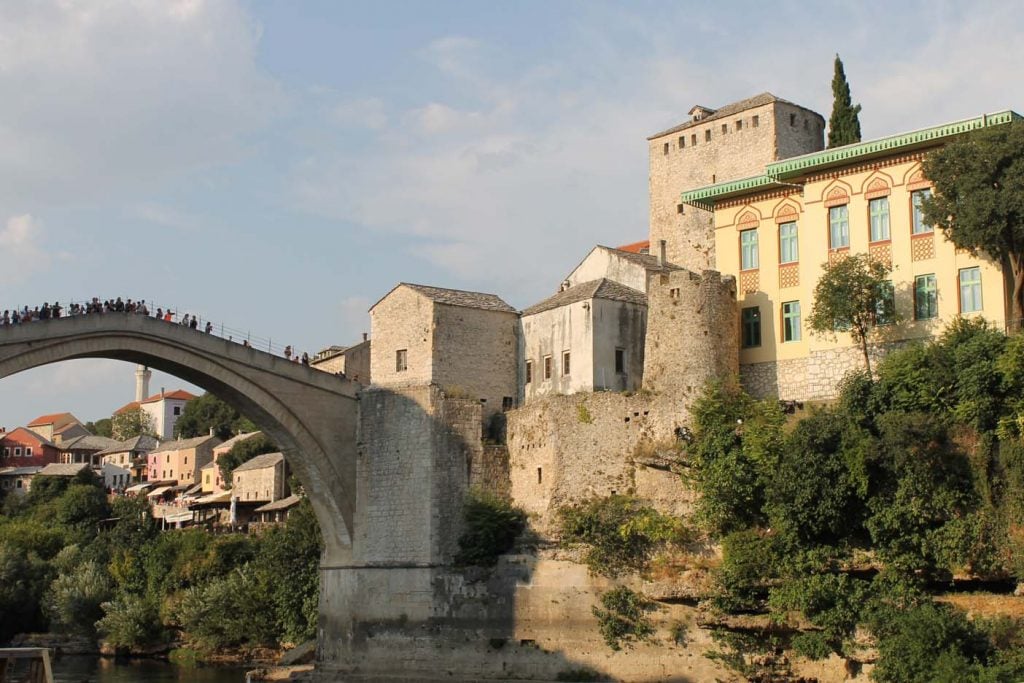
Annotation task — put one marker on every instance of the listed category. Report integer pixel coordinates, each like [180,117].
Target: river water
[104,670]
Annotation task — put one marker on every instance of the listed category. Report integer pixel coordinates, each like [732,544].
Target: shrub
[749,561]
[75,598]
[130,622]
[491,528]
[621,533]
[623,618]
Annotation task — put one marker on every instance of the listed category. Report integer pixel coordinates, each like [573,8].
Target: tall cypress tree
[844,124]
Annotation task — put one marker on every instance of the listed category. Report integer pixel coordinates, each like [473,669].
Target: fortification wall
[692,332]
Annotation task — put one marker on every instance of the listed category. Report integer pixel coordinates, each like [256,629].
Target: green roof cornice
[924,137]
[705,197]
[777,173]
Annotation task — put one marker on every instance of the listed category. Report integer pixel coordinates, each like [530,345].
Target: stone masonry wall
[402,320]
[813,378]
[692,332]
[726,156]
[475,353]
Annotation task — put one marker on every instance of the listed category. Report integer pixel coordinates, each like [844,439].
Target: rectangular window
[177,410]
[565,362]
[506,404]
[529,371]
[28,451]
[926,297]
[693,140]
[788,250]
[547,367]
[401,360]
[970,290]
[7,451]
[748,249]
[755,121]
[739,124]
[725,128]
[751,327]
[838,227]
[620,361]
[682,141]
[915,199]
[885,305]
[17,451]
[665,149]
[791,321]
[707,135]
[878,210]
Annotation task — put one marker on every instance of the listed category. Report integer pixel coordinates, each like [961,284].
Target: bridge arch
[311,415]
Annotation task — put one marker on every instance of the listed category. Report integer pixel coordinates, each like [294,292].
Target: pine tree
[844,124]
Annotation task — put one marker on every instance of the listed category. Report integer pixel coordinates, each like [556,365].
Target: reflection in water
[105,670]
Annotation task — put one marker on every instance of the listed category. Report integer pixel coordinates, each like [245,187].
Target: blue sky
[279,165]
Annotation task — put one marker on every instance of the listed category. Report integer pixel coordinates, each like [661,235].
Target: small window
[177,410]
[168,458]
[506,403]
[839,227]
[792,119]
[547,367]
[739,124]
[401,360]
[751,319]
[725,128]
[28,451]
[755,121]
[707,135]
[7,451]
[565,363]
[693,140]
[970,290]
[682,141]
[748,249]
[673,293]
[540,475]
[916,198]
[186,460]
[19,484]
[805,124]
[529,371]
[791,321]
[620,361]
[17,451]
[789,249]
[878,210]
[926,297]
[665,149]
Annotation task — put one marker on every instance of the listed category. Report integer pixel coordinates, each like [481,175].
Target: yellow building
[774,232]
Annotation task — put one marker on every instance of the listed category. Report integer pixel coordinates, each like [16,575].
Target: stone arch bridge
[310,414]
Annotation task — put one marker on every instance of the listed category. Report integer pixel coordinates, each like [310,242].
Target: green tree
[979,199]
[209,412]
[130,423]
[74,598]
[854,294]
[243,452]
[844,124]
[103,427]
[491,528]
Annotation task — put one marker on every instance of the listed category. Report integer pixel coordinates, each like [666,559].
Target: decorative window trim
[787,214]
[747,220]
[877,189]
[836,197]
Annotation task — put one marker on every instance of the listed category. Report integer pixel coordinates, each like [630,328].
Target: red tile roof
[180,395]
[56,418]
[637,247]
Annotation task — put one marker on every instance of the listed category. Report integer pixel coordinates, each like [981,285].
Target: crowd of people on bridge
[55,311]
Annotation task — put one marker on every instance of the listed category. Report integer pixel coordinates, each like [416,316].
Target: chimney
[565,286]
[161,392]
[211,431]
[142,375]
[661,253]
[364,336]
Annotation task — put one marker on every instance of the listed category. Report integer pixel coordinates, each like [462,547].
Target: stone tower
[142,376]
[715,146]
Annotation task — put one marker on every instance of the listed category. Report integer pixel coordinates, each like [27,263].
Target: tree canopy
[243,452]
[853,294]
[979,199]
[130,423]
[844,124]
[209,412]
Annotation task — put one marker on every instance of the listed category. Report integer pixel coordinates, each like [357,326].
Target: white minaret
[142,375]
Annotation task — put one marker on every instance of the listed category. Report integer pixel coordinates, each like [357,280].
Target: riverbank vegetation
[74,563]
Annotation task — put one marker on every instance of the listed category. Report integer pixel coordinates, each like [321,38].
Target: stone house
[351,361]
[212,481]
[24,447]
[163,409]
[587,337]
[622,265]
[130,454]
[58,427]
[463,342]
[115,478]
[276,512]
[181,460]
[262,479]
[85,449]
[17,480]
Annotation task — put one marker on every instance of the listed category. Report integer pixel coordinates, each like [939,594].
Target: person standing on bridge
[209,327]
